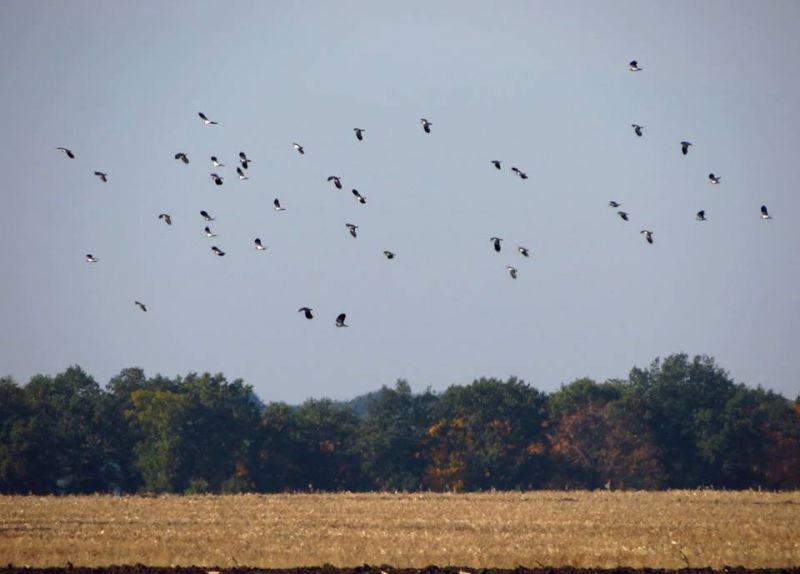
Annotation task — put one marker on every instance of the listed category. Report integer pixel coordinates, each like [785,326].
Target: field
[674,529]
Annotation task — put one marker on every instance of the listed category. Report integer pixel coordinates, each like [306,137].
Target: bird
[685,147]
[166,217]
[359,133]
[496,241]
[361,199]
[217,178]
[204,214]
[241,173]
[512,271]
[713,179]
[336,181]
[614,204]
[519,172]
[206,121]
[258,244]
[67,151]
[352,229]
[634,66]
[340,320]
[91,258]
[215,162]
[647,235]
[141,305]
[103,176]
[209,233]
[523,251]
[701,215]
[496,163]
[388,254]
[307,312]
[637,129]
[299,148]
[276,205]
[217,251]
[182,156]
[426,125]
[623,215]
[764,213]
[244,160]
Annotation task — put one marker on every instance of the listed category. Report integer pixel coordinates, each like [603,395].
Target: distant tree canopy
[679,423]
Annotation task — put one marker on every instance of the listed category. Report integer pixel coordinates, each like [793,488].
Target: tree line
[679,423]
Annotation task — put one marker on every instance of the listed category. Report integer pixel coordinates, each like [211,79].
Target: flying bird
[340,320]
[217,178]
[67,151]
[764,213]
[244,160]
[352,229]
[166,217]
[91,258]
[141,306]
[217,251]
[258,244]
[523,251]
[520,173]
[634,66]
[209,233]
[361,199]
[713,178]
[685,147]
[426,125]
[215,162]
[204,214]
[206,121]
[359,133]
[276,205]
[512,271]
[701,215]
[623,215]
[388,254]
[496,163]
[336,181]
[614,204]
[241,173]
[647,235]
[103,176]
[496,241]
[182,157]
[306,311]
[299,148]
[637,129]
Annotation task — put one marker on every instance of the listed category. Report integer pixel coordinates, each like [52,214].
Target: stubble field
[676,529]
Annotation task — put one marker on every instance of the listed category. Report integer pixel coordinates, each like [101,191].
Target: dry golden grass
[588,529]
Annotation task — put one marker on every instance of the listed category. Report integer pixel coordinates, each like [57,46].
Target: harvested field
[502,530]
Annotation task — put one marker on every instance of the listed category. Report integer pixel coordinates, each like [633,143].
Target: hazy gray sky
[542,86]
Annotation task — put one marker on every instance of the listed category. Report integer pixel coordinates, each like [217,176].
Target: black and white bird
[91,258]
[496,241]
[209,233]
[206,121]
[336,181]
[701,215]
[388,254]
[340,320]
[141,305]
[764,213]
[217,251]
[102,175]
[713,179]
[217,178]
[426,125]
[623,215]
[166,217]
[496,163]
[614,204]
[634,66]
[258,244]
[299,148]
[352,229]
[361,199]
[241,174]
[523,251]
[244,160]
[215,162]
[519,172]
[204,214]
[67,151]
[182,157]
[647,235]
[512,271]
[359,133]
[637,129]
[685,147]
[276,205]
[307,312]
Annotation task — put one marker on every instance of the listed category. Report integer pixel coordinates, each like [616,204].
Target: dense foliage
[680,423]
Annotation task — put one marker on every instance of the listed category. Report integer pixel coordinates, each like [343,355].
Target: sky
[543,86]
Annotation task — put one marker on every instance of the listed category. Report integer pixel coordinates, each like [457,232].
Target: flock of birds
[244,165]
